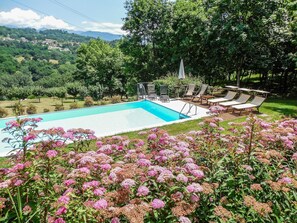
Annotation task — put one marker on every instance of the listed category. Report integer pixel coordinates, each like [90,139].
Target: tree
[73,89]
[96,91]
[19,93]
[148,43]
[59,92]
[243,32]
[99,63]
[38,92]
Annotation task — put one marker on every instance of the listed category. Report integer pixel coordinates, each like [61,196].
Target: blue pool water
[160,111]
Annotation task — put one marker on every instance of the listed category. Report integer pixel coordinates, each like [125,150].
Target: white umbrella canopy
[181,73]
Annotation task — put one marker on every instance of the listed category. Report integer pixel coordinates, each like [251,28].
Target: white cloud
[104,27]
[28,18]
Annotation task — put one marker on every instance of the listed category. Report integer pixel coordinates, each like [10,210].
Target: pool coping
[190,118]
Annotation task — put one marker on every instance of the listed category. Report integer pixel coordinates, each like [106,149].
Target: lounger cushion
[244,106]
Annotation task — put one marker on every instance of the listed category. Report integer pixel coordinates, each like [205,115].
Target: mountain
[102,35]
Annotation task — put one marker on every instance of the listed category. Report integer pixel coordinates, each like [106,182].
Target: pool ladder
[189,110]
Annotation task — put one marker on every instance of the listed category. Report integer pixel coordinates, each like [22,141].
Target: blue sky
[94,15]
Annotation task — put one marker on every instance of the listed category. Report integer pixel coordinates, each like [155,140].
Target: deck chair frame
[200,93]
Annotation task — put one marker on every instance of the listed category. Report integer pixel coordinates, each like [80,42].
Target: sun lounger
[229,96]
[190,91]
[200,93]
[255,103]
[164,93]
[151,92]
[243,98]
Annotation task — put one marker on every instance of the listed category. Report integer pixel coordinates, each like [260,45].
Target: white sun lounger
[229,96]
[255,103]
[243,98]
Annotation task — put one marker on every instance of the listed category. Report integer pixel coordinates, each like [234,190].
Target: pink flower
[194,198]
[58,144]
[101,204]
[51,154]
[143,162]
[13,123]
[27,209]
[59,220]
[183,219]
[194,188]
[69,182]
[115,220]
[100,191]
[61,210]
[64,199]
[29,137]
[157,204]
[152,136]
[152,173]
[5,184]
[142,191]
[17,167]
[18,183]
[182,178]
[198,174]
[286,180]
[127,183]
[214,125]
[105,167]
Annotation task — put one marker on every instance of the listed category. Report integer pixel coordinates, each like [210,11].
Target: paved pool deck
[120,122]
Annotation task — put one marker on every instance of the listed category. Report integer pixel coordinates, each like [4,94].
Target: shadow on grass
[290,112]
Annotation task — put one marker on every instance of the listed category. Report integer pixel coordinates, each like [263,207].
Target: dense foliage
[216,39]
[37,60]
[245,174]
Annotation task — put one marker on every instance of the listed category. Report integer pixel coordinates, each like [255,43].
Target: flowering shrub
[247,175]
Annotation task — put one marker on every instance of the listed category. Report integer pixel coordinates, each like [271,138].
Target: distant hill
[33,34]
[102,35]
[59,35]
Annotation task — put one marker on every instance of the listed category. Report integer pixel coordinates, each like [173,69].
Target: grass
[275,109]
[46,103]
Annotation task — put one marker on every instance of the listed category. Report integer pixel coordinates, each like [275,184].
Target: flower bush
[245,174]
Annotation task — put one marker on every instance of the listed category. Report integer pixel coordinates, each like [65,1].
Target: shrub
[45,110]
[18,109]
[59,107]
[88,101]
[244,174]
[74,105]
[3,113]
[31,109]
[103,102]
[116,99]
[172,82]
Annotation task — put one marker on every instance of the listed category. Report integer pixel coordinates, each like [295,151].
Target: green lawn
[274,109]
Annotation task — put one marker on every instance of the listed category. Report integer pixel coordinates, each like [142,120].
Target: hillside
[45,58]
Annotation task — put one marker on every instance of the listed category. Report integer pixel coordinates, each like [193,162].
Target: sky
[78,15]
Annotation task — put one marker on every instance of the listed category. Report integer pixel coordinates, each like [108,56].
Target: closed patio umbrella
[181,73]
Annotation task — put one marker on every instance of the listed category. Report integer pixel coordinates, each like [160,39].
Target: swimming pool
[105,120]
